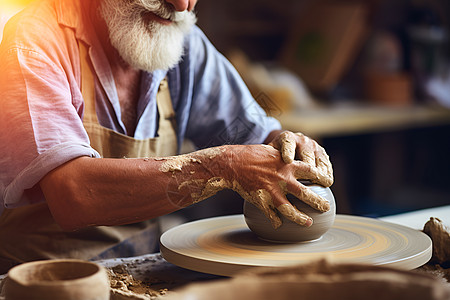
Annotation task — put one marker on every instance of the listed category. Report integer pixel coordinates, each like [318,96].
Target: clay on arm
[98,191]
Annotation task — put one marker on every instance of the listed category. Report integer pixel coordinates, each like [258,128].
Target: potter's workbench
[417,219]
[154,270]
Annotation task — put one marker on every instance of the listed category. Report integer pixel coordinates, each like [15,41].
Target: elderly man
[96,98]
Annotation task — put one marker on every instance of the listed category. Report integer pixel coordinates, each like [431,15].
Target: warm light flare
[8,8]
[20,3]
[12,6]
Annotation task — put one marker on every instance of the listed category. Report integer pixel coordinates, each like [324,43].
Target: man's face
[148,34]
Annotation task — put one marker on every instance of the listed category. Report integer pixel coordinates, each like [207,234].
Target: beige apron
[30,233]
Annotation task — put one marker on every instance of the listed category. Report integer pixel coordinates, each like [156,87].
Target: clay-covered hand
[261,177]
[257,172]
[297,146]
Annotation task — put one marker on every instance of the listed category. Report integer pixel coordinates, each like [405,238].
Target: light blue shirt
[41,106]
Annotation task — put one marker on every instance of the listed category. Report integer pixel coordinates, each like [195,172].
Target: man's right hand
[101,191]
[259,174]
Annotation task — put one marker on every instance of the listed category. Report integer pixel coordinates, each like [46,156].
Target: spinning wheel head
[225,245]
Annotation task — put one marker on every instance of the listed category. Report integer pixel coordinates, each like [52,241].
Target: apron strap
[87,86]
[167,122]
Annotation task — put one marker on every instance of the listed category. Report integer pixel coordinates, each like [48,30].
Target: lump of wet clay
[289,231]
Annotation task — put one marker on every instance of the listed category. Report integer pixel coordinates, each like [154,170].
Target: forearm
[97,191]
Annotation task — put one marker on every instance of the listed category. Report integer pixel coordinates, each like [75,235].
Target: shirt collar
[74,14]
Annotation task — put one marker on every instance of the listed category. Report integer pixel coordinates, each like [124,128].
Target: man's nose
[181,5]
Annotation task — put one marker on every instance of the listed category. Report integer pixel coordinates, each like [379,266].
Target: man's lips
[152,17]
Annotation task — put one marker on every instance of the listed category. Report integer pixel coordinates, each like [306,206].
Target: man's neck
[127,78]
[114,58]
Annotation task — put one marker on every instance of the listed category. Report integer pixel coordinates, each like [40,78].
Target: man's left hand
[297,146]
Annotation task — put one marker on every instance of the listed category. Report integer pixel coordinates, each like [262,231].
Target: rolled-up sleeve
[40,125]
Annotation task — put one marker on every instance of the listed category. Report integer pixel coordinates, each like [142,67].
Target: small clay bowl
[67,279]
[290,232]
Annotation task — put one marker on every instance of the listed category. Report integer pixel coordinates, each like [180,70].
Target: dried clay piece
[440,235]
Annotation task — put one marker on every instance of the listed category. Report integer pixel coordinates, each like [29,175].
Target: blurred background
[368,79]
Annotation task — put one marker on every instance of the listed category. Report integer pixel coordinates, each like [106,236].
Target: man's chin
[149,45]
[152,55]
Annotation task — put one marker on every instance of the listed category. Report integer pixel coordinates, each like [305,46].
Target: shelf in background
[351,120]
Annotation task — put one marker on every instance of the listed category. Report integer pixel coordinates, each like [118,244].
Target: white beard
[147,46]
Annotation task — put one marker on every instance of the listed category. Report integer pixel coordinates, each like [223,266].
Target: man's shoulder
[195,35]
[33,27]
[35,16]
[197,44]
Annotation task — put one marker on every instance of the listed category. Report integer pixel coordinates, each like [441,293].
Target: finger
[288,146]
[305,171]
[326,171]
[263,201]
[306,195]
[306,151]
[273,217]
[327,175]
[320,170]
[323,161]
[293,214]
[308,156]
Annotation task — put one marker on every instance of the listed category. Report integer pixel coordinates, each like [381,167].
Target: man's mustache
[161,8]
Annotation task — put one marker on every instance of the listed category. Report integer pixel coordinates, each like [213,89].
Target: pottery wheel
[225,245]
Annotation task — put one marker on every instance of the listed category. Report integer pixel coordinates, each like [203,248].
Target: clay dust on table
[124,284]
